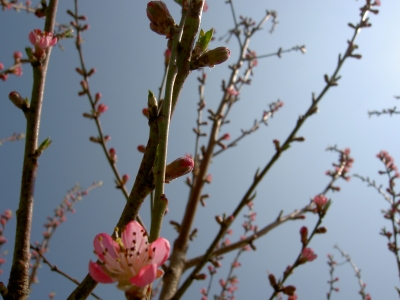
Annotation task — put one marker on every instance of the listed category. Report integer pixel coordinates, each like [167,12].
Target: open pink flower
[307,255]
[42,39]
[320,200]
[129,260]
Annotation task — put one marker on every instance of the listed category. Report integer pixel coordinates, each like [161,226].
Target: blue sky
[129,62]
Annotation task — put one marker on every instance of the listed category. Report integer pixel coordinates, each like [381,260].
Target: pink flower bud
[113,155]
[226,137]
[1,66]
[232,91]
[141,148]
[4,77]
[178,168]
[320,200]
[91,72]
[17,56]
[17,71]
[167,56]
[102,108]
[304,235]
[7,214]
[161,20]
[205,7]
[125,178]
[208,178]
[307,255]
[145,112]
[97,97]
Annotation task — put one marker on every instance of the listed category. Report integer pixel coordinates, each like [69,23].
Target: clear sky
[129,62]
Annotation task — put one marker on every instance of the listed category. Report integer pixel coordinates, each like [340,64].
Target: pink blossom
[17,55]
[308,255]
[129,260]
[320,200]
[377,2]
[1,66]
[222,283]
[102,108]
[4,77]
[205,7]
[232,91]
[252,57]
[7,214]
[42,39]
[236,264]
[208,178]
[18,71]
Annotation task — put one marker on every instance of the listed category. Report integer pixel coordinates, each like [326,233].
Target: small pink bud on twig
[17,56]
[125,178]
[226,137]
[145,112]
[101,108]
[113,155]
[304,235]
[141,148]
[97,98]
[178,168]
[307,255]
[91,72]
[289,290]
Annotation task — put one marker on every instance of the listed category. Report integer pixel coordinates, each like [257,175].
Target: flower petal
[97,273]
[134,236]
[146,275]
[104,244]
[32,37]
[159,251]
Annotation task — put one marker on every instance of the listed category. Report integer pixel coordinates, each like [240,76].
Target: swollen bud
[18,101]
[178,168]
[161,20]
[213,57]
[304,235]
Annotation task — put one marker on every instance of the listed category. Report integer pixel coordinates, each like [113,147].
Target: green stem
[178,70]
